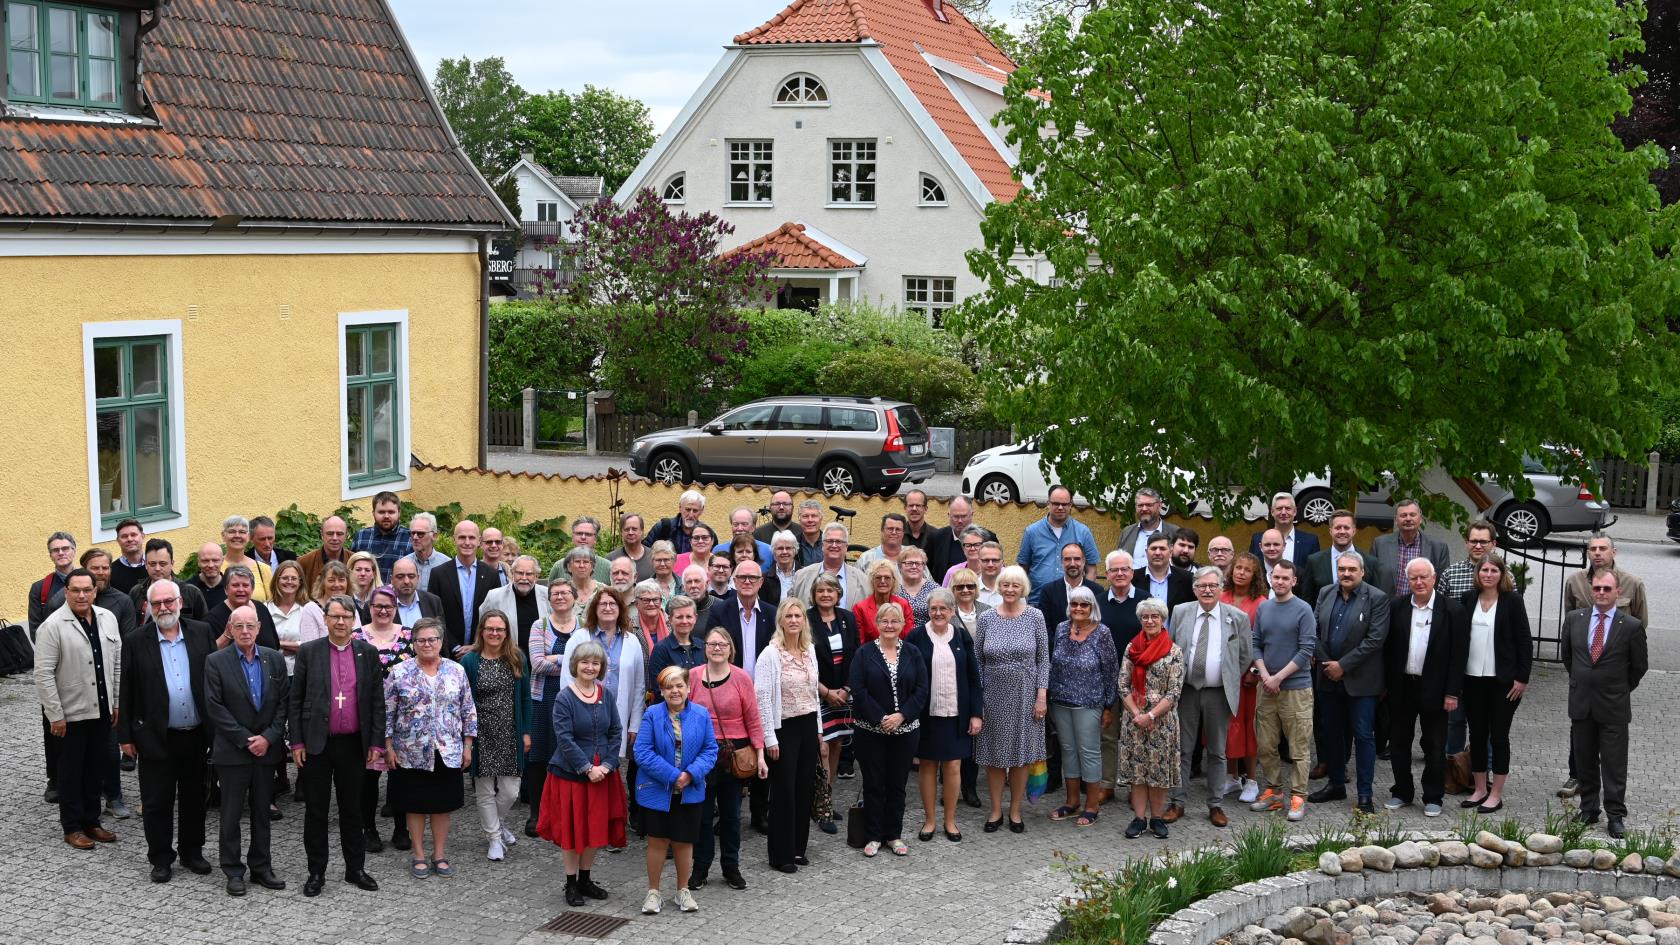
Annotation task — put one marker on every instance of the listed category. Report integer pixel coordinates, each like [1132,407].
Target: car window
[755,417]
[910,421]
[852,419]
[800,417]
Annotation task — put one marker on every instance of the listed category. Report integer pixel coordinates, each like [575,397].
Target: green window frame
[373,403]
[133,437]
[60,54]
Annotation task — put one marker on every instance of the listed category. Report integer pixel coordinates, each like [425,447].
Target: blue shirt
[1158,589]
[408,614]
[177,676]
[425,567]
[388,547]
[253,670]
[1041,551]
[468,576]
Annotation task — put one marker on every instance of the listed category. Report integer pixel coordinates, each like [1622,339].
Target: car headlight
[978,458]
[638,446]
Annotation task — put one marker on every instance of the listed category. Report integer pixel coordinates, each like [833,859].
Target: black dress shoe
[1614,828]
[924,835]
[371,841]
[827,826]
[268,880]
[126,763]
[801,860]
[971,798]
[274,812]
[1017,826]
[591,889]
[236,885]
[1366,807]
[696,881]
[573,897]
[362,880]
[733,878]
[531,827]
[992,826]
[385,809]
[196,863]
[761,825]
[1329,792]
[313,885]
[1588,817]
[400,841]
[50,795]
[784,867]
[1471,802]
[161,874]
[1383,754]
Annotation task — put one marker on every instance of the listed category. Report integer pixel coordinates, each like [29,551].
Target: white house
[547,203]
[853,138]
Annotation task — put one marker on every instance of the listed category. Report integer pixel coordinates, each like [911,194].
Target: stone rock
[1578,859]
[1377,858]
[1563,898]
[1391,940]
[1645,905]
[1405,935]
[1337,905]
[1482,904]
[1442,902]
[1664,920]
[1292,923]
[1484,940]
[1613,904]
[1591,922]
[1322,932]
[1655,866]
[1453,853]
[1524,922]
[1672,904]
[1478,929]
[1669,936]
[1516,855]
[1623,927]
[1407,855]
[1352,862]
[1549,930]
[1330,864]
[1614,938]
[1544,859]
[1632,863]
[1544,843]
[1515,902]
[1485,858]
[1672,866]
[1643,927]
[1637,939]
[1512,937]
[1365,914]
[1491,841]
[1431,856]
[1360,933]
[1603,859]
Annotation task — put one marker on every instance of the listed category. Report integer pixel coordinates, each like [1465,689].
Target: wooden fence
[970,442]
[616,432]
[1627,485]
[507,429]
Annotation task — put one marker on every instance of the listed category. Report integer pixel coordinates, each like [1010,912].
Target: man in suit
[413,604]
[240,586]
[1353,624]
[1053,597]
[1159,580]
[1577,593]
[855,589]
[522,600]
[1603,648]
[1119,614]
[208,581]
[78,678]
[246,692]
[461,587]
[1218,647]
[163,725]
[944,545]
[1135,538]
[1298,546]
[1423,658]
[263,547]
[1321,569]
[336,717]
[1396,549]
[61,548]
[680,526]
[750,624]
[160,566]
[334,531]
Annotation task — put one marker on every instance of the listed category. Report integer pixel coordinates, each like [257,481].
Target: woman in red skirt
[583,806]
[1244,590]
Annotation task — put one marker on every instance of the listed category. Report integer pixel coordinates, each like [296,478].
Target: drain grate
[584,924]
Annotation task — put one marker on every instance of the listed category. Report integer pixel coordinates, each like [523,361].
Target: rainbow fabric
[1038,780]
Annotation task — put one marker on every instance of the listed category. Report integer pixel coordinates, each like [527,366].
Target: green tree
[482,102]
[1338,234]
[595,132]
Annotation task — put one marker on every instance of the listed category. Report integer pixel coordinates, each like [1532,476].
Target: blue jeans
[1458,729]
[1340,712]
[723,799]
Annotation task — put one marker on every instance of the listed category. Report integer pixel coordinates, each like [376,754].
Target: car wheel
[669,468]
[1316,506]
[838,478]
[1523,523]
[997,488]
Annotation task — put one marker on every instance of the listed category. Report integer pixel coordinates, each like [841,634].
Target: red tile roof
[901,26]
[796,250]
[285,111]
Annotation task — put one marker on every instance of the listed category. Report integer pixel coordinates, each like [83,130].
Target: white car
[1018,472]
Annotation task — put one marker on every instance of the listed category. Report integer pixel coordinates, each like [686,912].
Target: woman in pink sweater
[727,693]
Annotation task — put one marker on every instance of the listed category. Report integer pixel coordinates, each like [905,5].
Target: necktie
[1596,648]
[1198,657]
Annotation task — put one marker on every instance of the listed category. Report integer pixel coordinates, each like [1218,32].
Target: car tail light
[1585,495]
[895,439]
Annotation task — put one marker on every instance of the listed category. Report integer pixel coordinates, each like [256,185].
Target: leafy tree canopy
[1369,237]
[482,102]
[595,132]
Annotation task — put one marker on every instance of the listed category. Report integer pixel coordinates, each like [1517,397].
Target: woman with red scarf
[1151,677]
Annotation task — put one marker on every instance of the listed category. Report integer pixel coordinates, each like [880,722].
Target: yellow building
[242,264]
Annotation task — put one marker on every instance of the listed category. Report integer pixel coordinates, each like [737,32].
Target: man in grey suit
[1218,648]
[1134,538]
[246,692]
[518,599]
[1352,627]
[1398,548]
[1603,648]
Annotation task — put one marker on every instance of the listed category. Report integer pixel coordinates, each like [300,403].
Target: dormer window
[802,89]
[63,55]
[676,189]
[548,211]
[933,192]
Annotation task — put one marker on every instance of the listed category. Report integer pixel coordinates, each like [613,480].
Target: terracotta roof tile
[274,110]
[796,250]
[905,29]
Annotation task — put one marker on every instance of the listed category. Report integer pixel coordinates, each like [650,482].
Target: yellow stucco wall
[261,396]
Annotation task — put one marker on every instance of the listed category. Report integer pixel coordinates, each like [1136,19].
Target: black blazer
[1513,642]
[725,612]
[1120,617]
[944,548]
[1306,545]
[872,688]
[1603,691]
[446,587]
[144,695]
[971,702]
[1443,661]
[266,634]
[233,719]
[1180,588]
[829,673]
[1052,600]
[311,695]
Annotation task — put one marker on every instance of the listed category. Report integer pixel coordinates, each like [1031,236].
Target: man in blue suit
[1298,545]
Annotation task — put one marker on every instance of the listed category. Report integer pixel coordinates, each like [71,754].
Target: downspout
[483,350]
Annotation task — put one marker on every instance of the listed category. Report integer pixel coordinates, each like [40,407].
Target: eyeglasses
[167,602]
[748,578]
[719,644]
[492,541]
[834,541]
[1207,587]
[382,607]
[971,545]
[1080,603]
[427,641]
[964,587]
[1604,588]
[1479,541]
[61,550]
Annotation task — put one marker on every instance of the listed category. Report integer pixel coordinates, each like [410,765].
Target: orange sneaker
[1297,807]
[1269,799]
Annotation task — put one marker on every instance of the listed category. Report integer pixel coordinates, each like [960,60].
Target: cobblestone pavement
[943,892]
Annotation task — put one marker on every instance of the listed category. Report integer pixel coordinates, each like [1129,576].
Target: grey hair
[784,537]
[944,596]
[663,546]
[233,520]
[588,649]
[240,570]
[836,527]
[1108,562]
[531,558]
[1082,594]
[580,553]
[975,531]
[643,587]
[1213,572]
[342,600]
[1153,606]
[810,504]
[692,495]
[428,518]
[586,520]
[157,584]
[62,536]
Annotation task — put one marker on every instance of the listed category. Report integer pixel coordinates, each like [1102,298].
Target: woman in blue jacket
[675,750]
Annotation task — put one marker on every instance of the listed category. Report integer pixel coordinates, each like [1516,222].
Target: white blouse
[1481,662]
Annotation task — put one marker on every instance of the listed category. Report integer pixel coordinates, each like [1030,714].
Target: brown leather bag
[743,760]
[1458,773]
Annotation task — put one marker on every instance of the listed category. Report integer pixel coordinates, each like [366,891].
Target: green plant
[1511,828]
[941,386]
[1469,824]
[1260,851]
[1123,906]
[1564,823]
[1658,841]
[1323,839]
[790,367]
[542,344]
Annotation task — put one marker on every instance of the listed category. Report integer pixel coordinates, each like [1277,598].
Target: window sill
[849,206]
[940,204]
[761,206]
[78,113]
[799,104]
[361,487]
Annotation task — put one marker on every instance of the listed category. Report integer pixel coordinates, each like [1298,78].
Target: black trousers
[531,785]
[370,805]
[884,767]
[247,788]
[51,747]
[1601,753]
[1489,715]
[341,764]
[176,777]
[793,788]
[81,772]
[1409,713]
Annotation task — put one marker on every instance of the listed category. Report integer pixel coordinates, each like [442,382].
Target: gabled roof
[578,190]
[798,245]
[909,32]
[274,111]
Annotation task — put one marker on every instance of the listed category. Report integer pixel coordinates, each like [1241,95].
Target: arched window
[802,89]
[676,189]
[933,192]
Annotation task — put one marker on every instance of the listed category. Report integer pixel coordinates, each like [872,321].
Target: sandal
[899,849]
[871,848]
[1086,819]
[1063,812]
[442,868]
[419,869]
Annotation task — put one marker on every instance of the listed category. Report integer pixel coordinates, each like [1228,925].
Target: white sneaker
[496,851]
[1250,791]
[508,839]
[685,901]
[652,904]
[1234,784]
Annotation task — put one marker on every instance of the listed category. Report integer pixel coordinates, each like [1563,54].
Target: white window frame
[405,421]
[927,307]
[809,81]
[553,208]
[752,163]
[170,330]
[922,200]
[673,179]
[852,163]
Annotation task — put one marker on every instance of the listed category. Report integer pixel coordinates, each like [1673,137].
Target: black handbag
[857,831]
[17,654]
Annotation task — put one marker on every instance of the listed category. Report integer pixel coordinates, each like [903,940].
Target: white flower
[1172,882]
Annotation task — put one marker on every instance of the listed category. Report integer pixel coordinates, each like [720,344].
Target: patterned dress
[495,746]
[400,651]
[1151,757]
[1014,665]
[918,603]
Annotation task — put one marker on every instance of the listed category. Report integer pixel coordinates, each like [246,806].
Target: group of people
[649,688]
